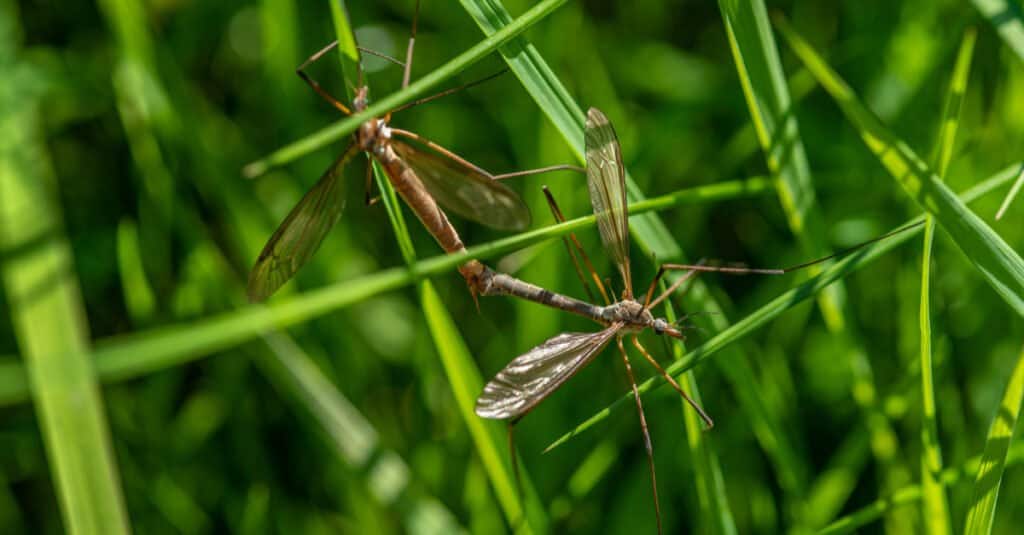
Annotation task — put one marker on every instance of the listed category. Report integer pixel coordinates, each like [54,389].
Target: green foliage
[345,404]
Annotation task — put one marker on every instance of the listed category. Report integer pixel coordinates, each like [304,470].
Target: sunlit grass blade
[1001,266]
[784,302]
[148,351]
[1011,196]
[851,522]
[650,233]
[48,316]
[763,80]
[993,461]
[716,515]
[935,512]
[488,435]
[416,89]
[1007,17]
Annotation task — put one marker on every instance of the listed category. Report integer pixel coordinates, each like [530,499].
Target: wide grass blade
[418,88]
[1001,266]
[787,300]
[993,461]
[935,514]
[48,316]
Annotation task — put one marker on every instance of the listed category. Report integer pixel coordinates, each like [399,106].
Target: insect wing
[606,180]
[464,190]
[531,377]
[301,233]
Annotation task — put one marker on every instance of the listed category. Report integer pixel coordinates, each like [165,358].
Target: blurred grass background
[136,119]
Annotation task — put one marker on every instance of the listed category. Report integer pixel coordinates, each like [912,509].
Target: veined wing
[301,233]
[531,377]
[606,179]
[465,190]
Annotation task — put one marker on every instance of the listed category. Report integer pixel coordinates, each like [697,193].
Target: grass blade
[993,460]
[782,303]
[1001,265]
[47,313]
[711,491]
[935,513]
[1012,195]
[771,110]
[418,88]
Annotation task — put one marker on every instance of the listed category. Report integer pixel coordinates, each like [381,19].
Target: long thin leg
[650,290]
[381,55]
[643,427]
[750,271]
[449,91]
[700,411]
[313,83]
[412,43]
[559,217]
[456,158]
[368,199]
[539,170]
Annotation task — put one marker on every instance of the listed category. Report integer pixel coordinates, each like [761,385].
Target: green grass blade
[1011,196]
[418,88]
[47,313]
[488,436]
[148,351]
[649,232]
[782,303]
[907,495]
[761,75]
[1008,19]
[935,512]
[993,461]
[1001,265]
[711,491]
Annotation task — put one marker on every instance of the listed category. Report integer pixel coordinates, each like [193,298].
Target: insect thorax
[373,136]
[629,312]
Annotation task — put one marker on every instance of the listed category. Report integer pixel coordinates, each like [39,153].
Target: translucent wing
[465,190]
[531,377]
[606,179]
[301,233]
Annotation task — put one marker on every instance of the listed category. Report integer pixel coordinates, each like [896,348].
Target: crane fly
[531,377]
[423,173]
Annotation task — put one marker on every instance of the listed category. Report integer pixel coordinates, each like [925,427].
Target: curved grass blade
[148,351]
[935,512]
[784,302]
[416,89]
[993,461]
[47,312]
[1001,266]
